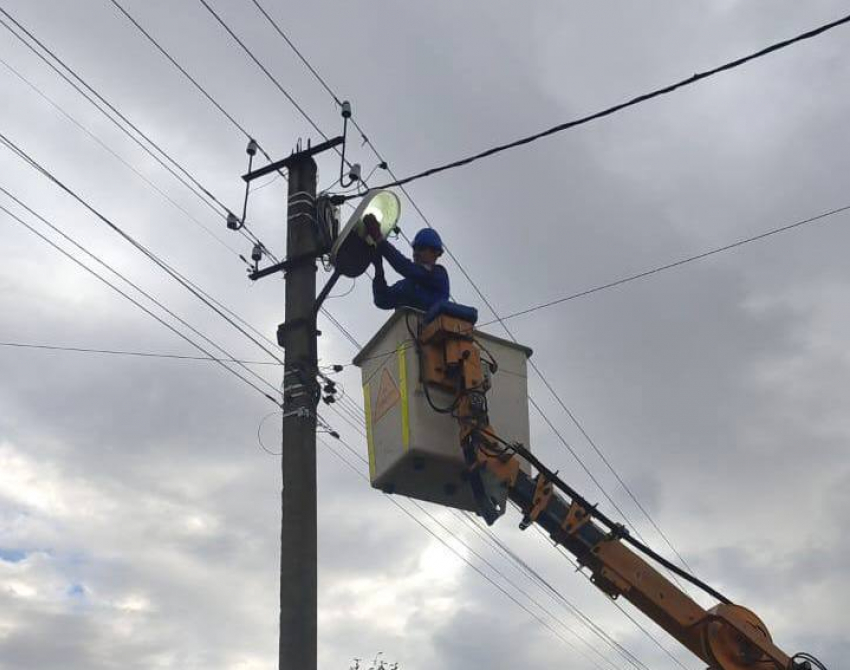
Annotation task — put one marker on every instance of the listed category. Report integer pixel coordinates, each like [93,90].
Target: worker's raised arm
[435,278]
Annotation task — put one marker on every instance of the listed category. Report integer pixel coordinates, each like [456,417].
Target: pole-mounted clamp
[287,329]
[301,412]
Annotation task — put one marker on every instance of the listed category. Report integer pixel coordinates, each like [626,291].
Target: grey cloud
[716,390]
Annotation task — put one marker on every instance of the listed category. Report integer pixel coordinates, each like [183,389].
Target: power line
[352,423]
[463,270]
[534,366]
[362,423]
[536,578]
[138,304]
[102,105]
[355,410]
[350,413]
[192,79]
[262,67]
[146,180]
[570,414]
[207,197]
[621,106]
[563,552]
[147,295]
[557,433]
[124,352]
[208,7]
[344,412]
[298,53]
[116,155]
[543,622]
[342,329]
[174,274]
[481,572]
[672,265]
[230,117]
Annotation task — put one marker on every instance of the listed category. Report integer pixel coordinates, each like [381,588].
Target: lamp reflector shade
[352,252]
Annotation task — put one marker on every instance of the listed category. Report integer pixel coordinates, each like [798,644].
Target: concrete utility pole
[298,336]
[306,240]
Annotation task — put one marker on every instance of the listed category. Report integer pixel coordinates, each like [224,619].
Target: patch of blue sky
[12,555]
[76,591]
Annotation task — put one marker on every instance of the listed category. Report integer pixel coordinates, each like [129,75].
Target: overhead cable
[262,67]
[534,577]
[194,81]
[106,108]
[145,179]
[105,102]
[138,288]
[480,293]
[394,352]
[297,52]
[605,520]
[672,265]
[124,352]
[693,79]
[117,156]
[146,310]
[227,114]
[342,329]
[173,273]
[521,566]
[472,565]
[643,629]
[186,74]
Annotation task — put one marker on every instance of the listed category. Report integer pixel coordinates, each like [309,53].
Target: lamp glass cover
[353,250]
[385,206]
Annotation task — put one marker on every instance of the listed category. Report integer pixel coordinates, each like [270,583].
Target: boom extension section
[726,637]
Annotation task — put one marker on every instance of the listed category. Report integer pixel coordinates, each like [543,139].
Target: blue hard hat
[428,237]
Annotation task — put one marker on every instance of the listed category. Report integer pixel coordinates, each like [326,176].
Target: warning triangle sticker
[388,395]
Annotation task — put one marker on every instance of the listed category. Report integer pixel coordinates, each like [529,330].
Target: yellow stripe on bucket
[405,404]
[367,406]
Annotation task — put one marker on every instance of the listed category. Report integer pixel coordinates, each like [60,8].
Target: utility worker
[425,282]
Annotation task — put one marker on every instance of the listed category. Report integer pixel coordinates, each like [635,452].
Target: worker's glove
[373,228]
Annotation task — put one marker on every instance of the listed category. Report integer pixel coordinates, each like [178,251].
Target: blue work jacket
[421,287]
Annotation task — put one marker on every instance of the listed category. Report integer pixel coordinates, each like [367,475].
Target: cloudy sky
[139,515]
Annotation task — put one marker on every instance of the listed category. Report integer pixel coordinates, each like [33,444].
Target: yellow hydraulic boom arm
[727,636]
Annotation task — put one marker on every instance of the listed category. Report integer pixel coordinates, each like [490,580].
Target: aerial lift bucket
[413,437]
